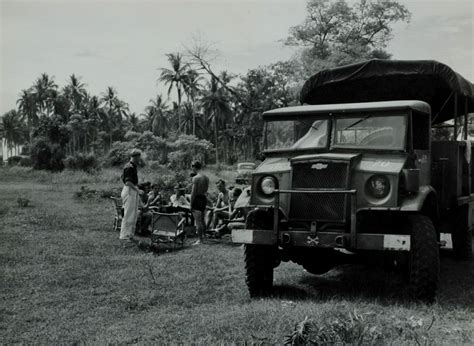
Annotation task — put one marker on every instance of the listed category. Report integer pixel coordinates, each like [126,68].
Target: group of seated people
[221,217]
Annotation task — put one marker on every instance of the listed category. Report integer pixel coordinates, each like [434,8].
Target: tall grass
[66,278]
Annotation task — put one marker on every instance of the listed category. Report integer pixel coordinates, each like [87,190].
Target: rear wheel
[424,259]
[462,235]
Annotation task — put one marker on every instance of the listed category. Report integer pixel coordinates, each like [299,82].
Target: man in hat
[199,199]
[130,196]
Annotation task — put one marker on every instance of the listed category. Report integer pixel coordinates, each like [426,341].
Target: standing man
[199,199]
[130,196]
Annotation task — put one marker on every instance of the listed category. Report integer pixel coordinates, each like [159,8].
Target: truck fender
[416,201]
[423,201]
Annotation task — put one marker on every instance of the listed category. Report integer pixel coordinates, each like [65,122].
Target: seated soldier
[154,197]
[145,216]
[236,214]
[181,204]
[221,209]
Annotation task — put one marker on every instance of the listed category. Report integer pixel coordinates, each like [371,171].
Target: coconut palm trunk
[215,138]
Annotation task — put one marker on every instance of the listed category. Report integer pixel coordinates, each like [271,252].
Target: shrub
[84,162]
[186,149]
[85,193]
[26,162]
[119,154]
[167,182]
[155,165]
[23,202]
[14,160]
[45,155]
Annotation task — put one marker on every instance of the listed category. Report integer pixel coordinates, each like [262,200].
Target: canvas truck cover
[389,80]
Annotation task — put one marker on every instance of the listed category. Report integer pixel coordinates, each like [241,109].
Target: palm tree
[11,129]
[188,123]
[155,113]
[176,77]
[76,91]
[28,109]
[192,88]
[215,103]
[132,122]
[116,111]
[45,91]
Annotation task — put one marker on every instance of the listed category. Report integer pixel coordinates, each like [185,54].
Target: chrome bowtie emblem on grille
[319,166]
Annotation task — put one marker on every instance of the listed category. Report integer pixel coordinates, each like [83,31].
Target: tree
[192,88]
[215,103]
[28,110]
[11,129]
[334,33]
[132,122]
[45,91]
[176,77]
[155,114]
[76,92]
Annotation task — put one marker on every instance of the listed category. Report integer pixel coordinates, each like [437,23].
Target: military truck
[355,171]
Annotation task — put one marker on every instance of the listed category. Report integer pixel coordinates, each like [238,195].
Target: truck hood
[276,164]
[376,163]
[362,162]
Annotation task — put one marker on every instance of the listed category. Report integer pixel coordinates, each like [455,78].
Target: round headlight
[377,186]
[268,185]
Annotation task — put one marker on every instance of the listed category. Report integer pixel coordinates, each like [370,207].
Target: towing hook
[285,238]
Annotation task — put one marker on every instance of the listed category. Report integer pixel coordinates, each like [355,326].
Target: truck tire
[461,235]
[424,259]
[259,264]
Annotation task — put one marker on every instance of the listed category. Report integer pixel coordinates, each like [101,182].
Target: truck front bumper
[364,241]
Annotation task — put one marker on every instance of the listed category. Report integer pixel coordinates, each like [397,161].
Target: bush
[14,160]
[186,149]
[45,155]
[85,193]
[26,162]
[83,162]
[119,154]
[155,165]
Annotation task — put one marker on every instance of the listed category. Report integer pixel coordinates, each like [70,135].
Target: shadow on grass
[289,292]
[355,281]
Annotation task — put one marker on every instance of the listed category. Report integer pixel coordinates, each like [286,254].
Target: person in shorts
[200,185]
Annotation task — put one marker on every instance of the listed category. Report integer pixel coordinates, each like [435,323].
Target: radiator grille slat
[316,175]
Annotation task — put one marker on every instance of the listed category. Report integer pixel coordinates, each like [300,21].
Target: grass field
[66,278]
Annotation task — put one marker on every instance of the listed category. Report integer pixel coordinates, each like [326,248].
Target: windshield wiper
[357,122]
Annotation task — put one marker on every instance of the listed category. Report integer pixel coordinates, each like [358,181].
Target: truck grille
[319,175]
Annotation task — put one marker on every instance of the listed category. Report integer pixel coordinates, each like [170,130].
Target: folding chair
[117,202]
[167,230]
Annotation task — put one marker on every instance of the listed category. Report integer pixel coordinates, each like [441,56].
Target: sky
[123,43]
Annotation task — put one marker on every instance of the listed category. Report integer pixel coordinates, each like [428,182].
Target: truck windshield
[370,131]
[296,134]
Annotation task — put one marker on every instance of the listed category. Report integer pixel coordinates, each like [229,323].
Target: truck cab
[363,178]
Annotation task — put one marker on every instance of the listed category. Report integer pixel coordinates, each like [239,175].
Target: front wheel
[259,264]
[424,259]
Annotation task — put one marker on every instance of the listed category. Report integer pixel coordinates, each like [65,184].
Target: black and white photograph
[237,172]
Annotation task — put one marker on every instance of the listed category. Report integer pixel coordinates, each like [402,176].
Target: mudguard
[416,202]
